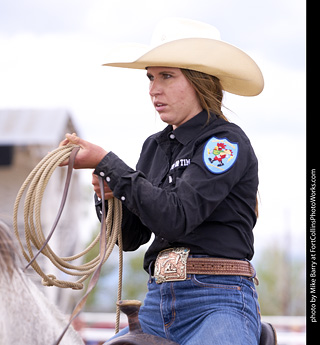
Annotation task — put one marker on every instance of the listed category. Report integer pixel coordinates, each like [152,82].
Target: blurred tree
[135,277]
[282,279]
[134,286]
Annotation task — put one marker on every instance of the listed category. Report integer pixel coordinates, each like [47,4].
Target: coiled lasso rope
[110,231]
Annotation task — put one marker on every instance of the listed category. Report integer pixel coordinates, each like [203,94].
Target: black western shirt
[193,187]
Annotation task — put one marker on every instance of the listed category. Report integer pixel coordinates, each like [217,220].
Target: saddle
[137,337]
[268,334]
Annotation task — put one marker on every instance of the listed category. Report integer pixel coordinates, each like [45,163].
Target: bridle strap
[110,230]
[62,203]
[95,277]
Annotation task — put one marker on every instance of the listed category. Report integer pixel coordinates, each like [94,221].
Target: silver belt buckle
[171,265]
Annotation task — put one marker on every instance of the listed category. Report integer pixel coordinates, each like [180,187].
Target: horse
[27,316]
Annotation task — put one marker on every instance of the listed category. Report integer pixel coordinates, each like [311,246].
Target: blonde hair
[208,89]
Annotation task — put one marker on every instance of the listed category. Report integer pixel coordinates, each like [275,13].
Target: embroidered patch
[219,155]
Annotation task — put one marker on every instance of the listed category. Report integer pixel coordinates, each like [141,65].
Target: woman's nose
[154,88]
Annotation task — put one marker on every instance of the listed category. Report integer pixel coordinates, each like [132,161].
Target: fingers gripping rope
[110,232]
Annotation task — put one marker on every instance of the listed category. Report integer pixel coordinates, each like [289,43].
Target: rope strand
[110,232]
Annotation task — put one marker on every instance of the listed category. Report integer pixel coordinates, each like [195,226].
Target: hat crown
[171,29]
[189,44]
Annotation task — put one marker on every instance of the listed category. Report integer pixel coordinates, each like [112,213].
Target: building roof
[20,127]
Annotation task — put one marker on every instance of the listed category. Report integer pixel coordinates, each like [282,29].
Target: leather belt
[173,264]
[217,266]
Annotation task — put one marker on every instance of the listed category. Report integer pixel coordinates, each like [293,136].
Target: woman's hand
[89,155]
[107,191]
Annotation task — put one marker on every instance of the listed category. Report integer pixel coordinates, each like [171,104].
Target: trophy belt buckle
[171,265]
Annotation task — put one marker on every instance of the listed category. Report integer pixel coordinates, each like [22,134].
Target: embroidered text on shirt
[184,162]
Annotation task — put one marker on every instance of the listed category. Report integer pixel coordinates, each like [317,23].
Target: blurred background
[52,81]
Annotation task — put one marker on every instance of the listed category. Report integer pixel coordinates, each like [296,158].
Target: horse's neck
[28,317]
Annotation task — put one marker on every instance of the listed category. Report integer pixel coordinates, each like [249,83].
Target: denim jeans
[202,310]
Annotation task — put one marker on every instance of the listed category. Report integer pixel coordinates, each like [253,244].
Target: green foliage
[134,286]
[135,278]
[282,283]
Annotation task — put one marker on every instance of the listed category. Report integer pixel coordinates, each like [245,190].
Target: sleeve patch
[219,155]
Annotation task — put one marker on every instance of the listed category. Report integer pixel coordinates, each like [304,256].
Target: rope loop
[110,231]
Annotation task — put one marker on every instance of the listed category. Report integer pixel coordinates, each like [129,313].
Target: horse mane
[10,259]
[27,315]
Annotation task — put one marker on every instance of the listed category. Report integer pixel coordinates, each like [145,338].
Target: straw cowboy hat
[194,45]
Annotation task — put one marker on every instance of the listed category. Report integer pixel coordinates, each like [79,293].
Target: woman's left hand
[89,155]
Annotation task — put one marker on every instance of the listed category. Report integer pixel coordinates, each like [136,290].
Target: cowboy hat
[189,44]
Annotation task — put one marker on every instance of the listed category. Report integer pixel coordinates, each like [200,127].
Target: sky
[51,56]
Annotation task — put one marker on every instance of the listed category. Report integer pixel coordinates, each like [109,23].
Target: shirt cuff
[111,168]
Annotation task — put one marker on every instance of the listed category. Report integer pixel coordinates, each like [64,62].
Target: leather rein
[110,231]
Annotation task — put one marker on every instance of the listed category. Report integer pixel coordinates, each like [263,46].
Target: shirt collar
[188,130]
[192,128]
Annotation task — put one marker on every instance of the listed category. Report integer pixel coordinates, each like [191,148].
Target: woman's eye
[163,75]
[150,77]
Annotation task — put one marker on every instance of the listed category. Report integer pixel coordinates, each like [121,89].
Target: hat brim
[237,72]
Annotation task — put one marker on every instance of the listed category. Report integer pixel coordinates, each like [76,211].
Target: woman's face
[172,95]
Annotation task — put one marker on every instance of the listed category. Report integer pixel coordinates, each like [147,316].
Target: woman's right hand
[89,154]
[107,191]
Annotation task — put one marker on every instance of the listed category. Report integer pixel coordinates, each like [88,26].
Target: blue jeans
[202,310]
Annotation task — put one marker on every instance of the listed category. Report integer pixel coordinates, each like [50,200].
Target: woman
[194,188]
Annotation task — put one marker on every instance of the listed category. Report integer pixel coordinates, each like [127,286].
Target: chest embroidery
[219,155]
[184,162]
